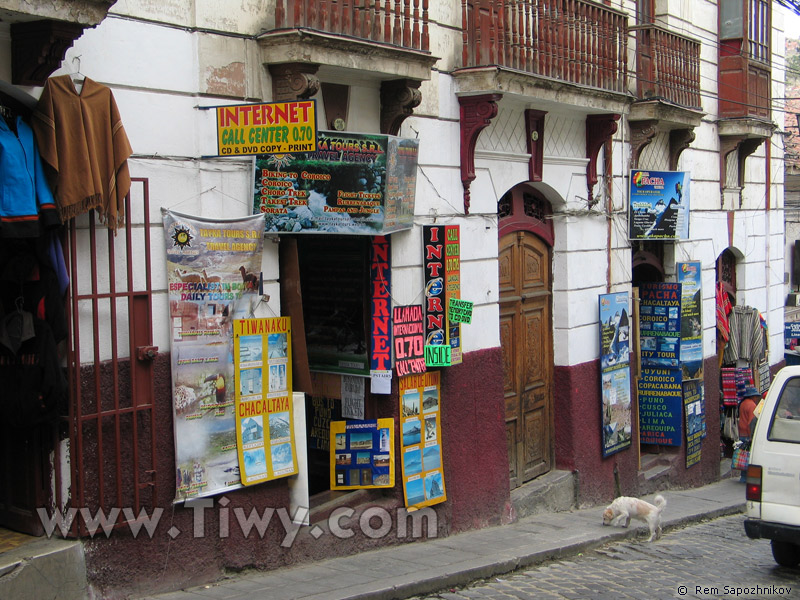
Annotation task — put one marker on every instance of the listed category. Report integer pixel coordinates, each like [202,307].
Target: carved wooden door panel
[526,340]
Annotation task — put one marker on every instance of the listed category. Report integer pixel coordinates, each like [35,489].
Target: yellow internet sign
[273,128]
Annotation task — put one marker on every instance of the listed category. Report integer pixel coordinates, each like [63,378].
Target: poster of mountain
[264,427]
[615,372]
[421,440]
[659,205]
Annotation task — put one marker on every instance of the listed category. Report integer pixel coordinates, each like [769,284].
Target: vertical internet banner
[434,303]
[615,372]
[421,440]
[380,355]
[210,265]
[452,270]
[264,422]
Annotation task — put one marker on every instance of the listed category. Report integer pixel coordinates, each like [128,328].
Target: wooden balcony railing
[667,66]
[402,23]
[576,41]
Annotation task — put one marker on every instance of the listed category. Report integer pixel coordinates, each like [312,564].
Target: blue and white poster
[660,324]
[659,205]
[615,372]
[660,407]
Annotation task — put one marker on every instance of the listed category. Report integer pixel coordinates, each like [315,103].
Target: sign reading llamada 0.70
[274,128]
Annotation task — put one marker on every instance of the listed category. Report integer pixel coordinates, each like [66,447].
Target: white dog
[628,508]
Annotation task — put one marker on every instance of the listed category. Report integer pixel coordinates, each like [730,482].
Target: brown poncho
[81,137]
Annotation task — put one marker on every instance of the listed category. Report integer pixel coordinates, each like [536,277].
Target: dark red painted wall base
[578,421]
[476,481]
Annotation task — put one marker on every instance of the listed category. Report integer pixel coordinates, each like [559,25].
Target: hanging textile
[81,137]
[724,308]
[746,340]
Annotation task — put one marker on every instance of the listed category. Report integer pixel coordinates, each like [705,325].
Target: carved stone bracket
[399,98]
[38,47]
[477,113]
[599,129]
[294,81]
[679,140]
[642,133]
[744,147]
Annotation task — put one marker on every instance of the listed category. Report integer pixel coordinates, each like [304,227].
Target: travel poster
[441,262]
[615,372]
[213,270]
[659,205]
[660,324]
[353,183]
[691,354]
[362,454]
[660,406]
[409,345]
[695,420]
[264,422]
[421,440]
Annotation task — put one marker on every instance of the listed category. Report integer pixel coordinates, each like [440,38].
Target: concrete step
[44,568]
[552,492]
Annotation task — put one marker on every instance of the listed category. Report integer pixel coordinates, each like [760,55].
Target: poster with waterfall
[354,183]
[213,268]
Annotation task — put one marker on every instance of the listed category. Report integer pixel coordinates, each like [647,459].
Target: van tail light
[753,489]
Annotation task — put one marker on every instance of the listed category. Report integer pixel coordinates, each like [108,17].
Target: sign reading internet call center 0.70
[272,128]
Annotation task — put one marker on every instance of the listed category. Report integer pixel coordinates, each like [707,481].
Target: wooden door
[527,343]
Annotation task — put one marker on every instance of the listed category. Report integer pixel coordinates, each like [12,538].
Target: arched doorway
[526,331]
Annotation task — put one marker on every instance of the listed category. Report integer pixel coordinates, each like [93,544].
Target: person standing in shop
[746,411]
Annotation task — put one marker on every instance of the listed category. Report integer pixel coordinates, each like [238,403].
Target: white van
[773,475]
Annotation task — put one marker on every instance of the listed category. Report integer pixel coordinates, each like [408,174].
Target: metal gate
[111,423]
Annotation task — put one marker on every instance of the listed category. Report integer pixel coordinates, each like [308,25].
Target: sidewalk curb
[434,583]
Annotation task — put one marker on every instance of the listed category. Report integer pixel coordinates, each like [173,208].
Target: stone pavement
[424,567]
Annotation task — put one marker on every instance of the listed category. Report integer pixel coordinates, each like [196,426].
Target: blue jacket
[27,206]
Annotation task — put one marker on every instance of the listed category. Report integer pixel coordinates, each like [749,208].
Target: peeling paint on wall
[228,80]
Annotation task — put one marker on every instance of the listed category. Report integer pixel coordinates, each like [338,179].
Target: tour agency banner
[615,372]
[421,440]
[353,183]
[264,423]
[211,264]
[659,205]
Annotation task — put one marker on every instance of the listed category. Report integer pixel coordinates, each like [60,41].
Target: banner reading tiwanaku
[211,264]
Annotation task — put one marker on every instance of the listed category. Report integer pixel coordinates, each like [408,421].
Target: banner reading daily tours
[690,277]
[353,183]
[211,264]
[421,440]
[273,128]
[659,205]
[264,423]
[615,372]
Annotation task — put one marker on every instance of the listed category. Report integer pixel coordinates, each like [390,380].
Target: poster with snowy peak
[659,205]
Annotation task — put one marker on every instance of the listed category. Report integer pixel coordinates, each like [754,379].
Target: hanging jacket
[27,206]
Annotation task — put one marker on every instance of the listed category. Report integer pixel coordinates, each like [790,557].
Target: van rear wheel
[786,554]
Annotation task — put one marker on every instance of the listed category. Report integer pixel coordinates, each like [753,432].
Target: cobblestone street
[708,560]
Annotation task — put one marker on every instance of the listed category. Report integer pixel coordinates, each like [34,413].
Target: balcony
[401,23]
[667,66]
[386,38]
[572,41]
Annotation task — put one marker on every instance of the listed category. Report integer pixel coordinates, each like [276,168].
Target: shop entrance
[527,342]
